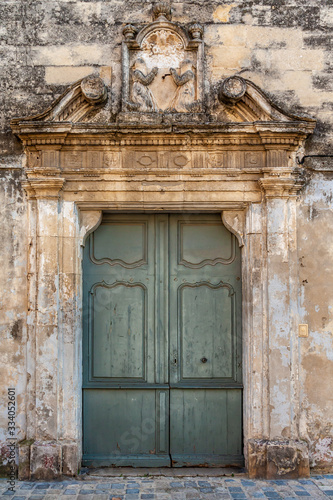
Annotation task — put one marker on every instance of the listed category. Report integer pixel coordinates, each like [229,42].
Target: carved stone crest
[162,66]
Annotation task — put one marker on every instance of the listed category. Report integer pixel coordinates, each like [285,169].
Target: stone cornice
[285,134]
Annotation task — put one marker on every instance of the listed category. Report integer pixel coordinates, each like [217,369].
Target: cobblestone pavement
[170,488]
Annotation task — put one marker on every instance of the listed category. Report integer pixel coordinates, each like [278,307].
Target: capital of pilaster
[280,187]
[281,184]
[44,188]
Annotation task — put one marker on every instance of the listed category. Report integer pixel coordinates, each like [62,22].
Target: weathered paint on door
[162,380]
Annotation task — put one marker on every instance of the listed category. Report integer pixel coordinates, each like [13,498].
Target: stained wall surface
[315,306]
[282,46]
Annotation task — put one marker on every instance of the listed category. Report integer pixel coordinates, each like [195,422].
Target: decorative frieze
[72,160]
[158,159]
[155,158]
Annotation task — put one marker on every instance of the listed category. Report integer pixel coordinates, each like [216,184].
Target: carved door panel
[162,377]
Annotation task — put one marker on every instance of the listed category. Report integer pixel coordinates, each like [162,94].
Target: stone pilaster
[280,454]
[74,228]
[254,325]
[57,230]
[45,461]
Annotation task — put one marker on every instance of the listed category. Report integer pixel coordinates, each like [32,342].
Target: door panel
[162,342]
[199,419]
[205,329]
[120,242]
[205,242]
[128,428]
[119,324]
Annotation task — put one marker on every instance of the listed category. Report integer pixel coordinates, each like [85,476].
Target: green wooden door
[162,342]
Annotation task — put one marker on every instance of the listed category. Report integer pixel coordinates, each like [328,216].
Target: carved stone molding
[162,10]
[234,220]
[243,101]
[232,90]
[89,221]
[160,206]
[44,188]
[29,190]
[129,32]
[196,31]
[93,89]
[273,135]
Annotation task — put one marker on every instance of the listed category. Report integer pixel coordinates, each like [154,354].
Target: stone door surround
[247,173]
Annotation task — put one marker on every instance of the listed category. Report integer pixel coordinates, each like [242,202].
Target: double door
[162,382]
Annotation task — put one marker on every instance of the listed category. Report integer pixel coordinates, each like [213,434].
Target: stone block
[287,460]
[257,458]
[70,459]
[287,59]
[24,461]
[45,461]
[75,55]
[4,460]
[230,57]
[277,459]
[66,75]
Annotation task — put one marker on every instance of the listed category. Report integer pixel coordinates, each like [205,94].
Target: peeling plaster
[321,343]
[322,451]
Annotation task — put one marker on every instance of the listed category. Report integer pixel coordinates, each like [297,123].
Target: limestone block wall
[282,46]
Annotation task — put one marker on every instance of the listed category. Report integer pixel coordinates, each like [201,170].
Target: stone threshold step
[164,471]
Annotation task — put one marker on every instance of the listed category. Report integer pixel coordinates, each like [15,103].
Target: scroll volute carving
[89,221]
[235,222]
[162,66]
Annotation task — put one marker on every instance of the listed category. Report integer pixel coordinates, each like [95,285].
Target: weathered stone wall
[315,252]
[282,46]
[13,303]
